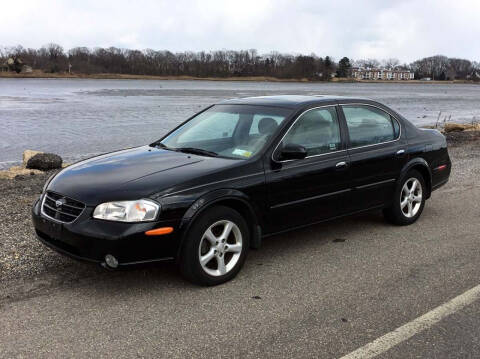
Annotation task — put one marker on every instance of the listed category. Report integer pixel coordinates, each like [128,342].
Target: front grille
[67,209]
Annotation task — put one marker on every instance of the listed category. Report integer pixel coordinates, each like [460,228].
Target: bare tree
[435,67]
[459,68]
[368,63]
[391,63]
[221,63]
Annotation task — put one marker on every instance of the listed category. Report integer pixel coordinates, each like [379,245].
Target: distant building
[381,74]
[14,64]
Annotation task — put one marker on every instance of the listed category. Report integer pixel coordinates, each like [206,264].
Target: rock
[27,154]
[17,171]
[44,162]
[454,127]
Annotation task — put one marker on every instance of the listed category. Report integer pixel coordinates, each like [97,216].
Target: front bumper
[91,239]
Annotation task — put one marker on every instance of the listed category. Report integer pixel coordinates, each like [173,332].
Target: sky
[403,29]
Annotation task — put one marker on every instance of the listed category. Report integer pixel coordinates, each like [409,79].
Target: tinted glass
[368,125]
[317,130]
[256,119]
[213,126]
[233,131]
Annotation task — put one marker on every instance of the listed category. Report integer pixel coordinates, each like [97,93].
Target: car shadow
[164,276]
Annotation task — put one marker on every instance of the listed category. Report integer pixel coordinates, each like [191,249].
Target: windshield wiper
[196,151]
[193,150]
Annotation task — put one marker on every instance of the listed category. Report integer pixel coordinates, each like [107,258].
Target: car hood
[131,174]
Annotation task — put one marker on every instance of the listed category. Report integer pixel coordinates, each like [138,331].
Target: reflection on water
[79,118]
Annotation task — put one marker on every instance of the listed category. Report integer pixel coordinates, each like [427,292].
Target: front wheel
[215,247]
[408,201]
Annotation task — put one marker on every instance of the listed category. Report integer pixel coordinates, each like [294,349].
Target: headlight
[127,211]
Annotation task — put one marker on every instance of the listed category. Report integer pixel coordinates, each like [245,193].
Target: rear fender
[422,166]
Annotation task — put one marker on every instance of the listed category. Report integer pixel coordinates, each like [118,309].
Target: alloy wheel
[411,197]
[220,248]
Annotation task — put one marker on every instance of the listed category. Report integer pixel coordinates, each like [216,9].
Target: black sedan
[236,172]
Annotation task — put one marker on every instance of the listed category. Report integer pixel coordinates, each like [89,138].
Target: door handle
[400,152]
[341,165]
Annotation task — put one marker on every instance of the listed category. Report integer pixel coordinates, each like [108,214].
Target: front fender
[211,198]
[215,196]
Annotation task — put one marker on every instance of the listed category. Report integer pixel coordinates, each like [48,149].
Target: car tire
[407,205]
[215,247]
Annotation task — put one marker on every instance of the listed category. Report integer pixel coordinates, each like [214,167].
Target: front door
[311,189]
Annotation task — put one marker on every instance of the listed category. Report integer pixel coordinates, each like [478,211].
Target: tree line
[52,58]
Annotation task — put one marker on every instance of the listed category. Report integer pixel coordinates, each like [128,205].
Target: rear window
[369,125]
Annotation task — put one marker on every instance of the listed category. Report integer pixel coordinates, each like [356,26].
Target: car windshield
[231,131]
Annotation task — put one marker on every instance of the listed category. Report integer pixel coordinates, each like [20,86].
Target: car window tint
[317,130]
[225,130]
[368,125]
[218,125]
[256,119]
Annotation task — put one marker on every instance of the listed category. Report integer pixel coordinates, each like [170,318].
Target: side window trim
[341,133]
[392,117]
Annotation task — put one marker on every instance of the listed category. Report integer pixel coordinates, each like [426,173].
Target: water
[77,118]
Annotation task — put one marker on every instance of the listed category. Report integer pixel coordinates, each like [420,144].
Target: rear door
[310,189]
[377,154]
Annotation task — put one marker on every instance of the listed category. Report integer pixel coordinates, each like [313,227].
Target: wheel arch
[232,198]
[419,164]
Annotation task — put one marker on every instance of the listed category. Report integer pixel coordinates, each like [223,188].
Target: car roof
[290,101]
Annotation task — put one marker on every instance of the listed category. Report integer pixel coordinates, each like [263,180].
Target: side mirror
[293,152]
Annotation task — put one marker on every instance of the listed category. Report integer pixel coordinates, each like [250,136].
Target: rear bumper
[91,240]
[439,184]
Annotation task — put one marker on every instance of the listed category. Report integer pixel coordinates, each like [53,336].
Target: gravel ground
[26,264]
[22,256]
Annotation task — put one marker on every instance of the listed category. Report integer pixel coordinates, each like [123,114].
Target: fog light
[111,261]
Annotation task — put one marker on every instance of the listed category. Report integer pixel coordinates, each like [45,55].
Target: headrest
[267,125]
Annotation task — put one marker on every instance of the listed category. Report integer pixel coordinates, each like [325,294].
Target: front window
[317,130]
[232,131]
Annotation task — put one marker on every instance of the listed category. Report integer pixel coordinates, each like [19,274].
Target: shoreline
[109,76]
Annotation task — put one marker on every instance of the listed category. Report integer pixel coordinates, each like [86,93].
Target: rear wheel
[408,201]
[215,247]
